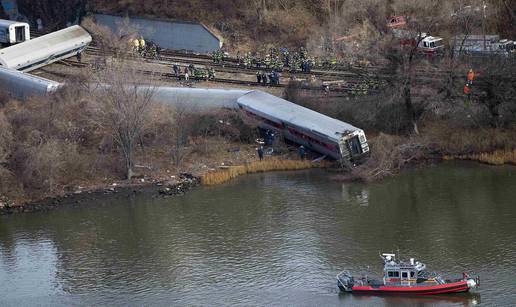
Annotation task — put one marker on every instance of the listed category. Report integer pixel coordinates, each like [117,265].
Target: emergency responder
[175,68]
[239,58]
[136,45]
[211,73]
[301,152]
[259,150]
[470,76]
[466,89]
[142,45]
[264,78]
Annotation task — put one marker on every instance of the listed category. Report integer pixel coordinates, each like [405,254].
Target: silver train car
[45,49]
[20,85]
[315,131]
[13,32]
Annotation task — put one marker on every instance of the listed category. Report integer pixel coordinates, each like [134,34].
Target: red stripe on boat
[461,286]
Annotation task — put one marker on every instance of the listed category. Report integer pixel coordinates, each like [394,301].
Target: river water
[268,239]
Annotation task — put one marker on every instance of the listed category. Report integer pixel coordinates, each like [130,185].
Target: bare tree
[495,89]
[181,120]
[6,139]
[123,106]
[404,61]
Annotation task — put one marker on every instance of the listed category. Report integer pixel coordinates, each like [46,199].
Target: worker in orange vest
[466,89]
[471,76]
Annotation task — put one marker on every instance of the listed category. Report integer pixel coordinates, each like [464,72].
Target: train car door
[19,34]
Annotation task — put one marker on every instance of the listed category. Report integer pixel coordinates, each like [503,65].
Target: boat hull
[455,287]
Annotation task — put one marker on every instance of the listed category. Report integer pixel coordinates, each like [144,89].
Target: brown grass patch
[498,157]
[225,174]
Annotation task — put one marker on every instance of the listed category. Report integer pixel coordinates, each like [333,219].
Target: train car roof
[6,23]
[271,106]
[12,73]
[43,46]
[22,85]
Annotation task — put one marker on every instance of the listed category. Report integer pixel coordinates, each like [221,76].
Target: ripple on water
[269,239]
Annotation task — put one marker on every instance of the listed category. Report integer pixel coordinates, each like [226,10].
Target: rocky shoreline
[180,186]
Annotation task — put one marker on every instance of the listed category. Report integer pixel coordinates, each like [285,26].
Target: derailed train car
[20,85]
[318,132]
[45,49]
[13,32]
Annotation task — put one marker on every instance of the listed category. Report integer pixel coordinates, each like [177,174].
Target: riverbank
[499,157]
[390,156]
[155,187]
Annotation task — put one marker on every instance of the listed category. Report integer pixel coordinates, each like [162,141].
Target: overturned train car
[45,49]
[318,132]
[20,85]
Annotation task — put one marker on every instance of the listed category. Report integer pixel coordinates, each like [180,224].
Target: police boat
[401,277]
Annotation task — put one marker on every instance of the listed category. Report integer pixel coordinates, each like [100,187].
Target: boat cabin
[399,271]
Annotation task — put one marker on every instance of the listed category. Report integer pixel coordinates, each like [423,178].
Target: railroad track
[357,81]
[353,72]
[234,68]
[350,89]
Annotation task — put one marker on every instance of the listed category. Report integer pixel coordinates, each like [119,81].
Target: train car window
[19,34]
[354,146]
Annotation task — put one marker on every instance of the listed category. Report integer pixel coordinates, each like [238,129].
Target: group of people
[191,71]
[280,59]
[273,78]
[301,151]
[268,140]
[218,56]
[146,50]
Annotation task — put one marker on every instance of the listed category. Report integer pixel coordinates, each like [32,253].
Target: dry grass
[498,157]
[225,174]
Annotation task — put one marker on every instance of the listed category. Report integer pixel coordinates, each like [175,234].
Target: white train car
[318,132]
[20,85]
[13,32]
[45,49]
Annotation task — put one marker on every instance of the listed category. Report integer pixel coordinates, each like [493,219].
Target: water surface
[269,239]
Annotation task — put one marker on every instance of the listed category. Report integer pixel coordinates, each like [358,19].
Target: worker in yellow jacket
[142,44]
[136,45]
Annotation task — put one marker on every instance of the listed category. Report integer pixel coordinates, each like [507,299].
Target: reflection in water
[461,299]
[355,194]
[267,239]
